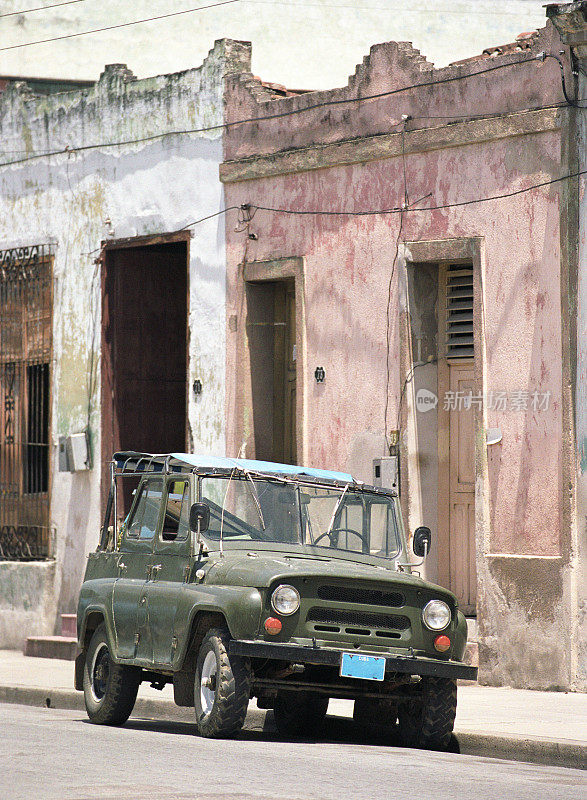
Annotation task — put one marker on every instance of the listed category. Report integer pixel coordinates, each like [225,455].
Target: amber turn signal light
[273,626]
[441,643]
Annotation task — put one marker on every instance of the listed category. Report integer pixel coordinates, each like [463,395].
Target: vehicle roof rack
[131,462]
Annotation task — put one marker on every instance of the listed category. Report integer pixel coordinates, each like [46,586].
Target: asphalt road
[48,754]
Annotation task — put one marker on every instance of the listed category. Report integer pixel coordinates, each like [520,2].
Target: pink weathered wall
[348,261]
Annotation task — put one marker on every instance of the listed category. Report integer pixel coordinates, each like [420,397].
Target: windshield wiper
[336,507]
[255,497]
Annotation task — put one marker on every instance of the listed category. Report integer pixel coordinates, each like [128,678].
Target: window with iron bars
[25,397]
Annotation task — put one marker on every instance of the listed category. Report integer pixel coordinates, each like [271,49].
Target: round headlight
[436,615]
[285,599]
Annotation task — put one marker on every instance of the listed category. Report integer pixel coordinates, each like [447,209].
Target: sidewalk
[523,725]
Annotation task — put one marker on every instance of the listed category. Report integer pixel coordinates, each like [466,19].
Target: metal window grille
[25,397]
[459,311]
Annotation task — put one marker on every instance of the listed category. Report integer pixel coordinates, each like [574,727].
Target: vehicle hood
[262,571]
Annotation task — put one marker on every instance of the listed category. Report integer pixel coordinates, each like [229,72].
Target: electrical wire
[290,112]
[570,101]
[390,289]
[210,216]
[40,8]
[156,136]
[253,208]
[388,328]
[185,227]
[413,208]
[119,25]
[402,9]
[408,378]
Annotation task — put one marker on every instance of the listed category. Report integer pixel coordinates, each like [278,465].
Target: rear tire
[110,690]
[222,687]
[429,724]
[299,713]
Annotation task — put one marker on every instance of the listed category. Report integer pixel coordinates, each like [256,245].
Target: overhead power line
[395,210]
[488,115]
[294,111]
[412,208]
[119,25]
[40,8]
[412,10]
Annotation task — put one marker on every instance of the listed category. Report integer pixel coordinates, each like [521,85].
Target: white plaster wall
[307,44]
[147,188]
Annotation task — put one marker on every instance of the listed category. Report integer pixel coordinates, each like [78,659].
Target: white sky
[308,44]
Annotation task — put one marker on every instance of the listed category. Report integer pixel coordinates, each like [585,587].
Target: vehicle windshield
[325,517]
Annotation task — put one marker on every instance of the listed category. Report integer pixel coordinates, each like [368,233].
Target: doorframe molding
[471,250]
[272,270]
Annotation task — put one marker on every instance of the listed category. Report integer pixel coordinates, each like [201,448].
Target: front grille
[369,597]
[361,619]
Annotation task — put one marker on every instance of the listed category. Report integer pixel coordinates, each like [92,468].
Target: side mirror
[199,517]
[421,541]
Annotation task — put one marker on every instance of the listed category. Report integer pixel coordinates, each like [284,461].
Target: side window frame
[136,542]
[177,540]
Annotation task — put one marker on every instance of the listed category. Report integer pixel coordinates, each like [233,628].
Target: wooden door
[284,373]
[456,436]
[144,354]
[462,577]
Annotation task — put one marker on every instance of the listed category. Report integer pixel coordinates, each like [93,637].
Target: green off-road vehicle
[235,579]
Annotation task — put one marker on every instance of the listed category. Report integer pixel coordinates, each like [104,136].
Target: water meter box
[77,452]
[385,472]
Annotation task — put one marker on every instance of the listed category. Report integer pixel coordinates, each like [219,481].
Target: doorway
[144,349]
[271,335]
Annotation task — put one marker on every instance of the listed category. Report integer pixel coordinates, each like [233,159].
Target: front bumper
[328,656]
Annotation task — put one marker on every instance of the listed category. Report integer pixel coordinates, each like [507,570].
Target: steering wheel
[334,533]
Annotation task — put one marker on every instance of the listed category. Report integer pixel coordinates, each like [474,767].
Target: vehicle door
[136,554]
[171,558]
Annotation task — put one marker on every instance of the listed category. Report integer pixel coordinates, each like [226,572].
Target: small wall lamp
[319,374]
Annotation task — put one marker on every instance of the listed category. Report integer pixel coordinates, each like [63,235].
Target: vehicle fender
[95,599]
[241,607]
[459,637]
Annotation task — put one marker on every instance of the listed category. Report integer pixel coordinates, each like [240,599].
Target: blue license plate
[355,665]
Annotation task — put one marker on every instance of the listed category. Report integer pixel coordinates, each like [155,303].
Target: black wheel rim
[100,672]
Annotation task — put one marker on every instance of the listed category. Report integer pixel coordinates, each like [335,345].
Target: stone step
[69,625]
[472,629]
[472,651]
[472,654]
[64,647]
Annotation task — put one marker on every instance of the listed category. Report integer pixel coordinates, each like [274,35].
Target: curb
[70,700]
[532,749]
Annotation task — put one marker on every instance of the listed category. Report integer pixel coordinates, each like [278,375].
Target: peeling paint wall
[75,201]
[352,156]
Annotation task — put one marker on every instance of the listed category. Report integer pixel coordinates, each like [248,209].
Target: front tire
[429,722]
[299,713]
[110,690]
[222,687]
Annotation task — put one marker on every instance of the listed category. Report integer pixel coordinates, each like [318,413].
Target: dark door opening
[271,334]
[144,351]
